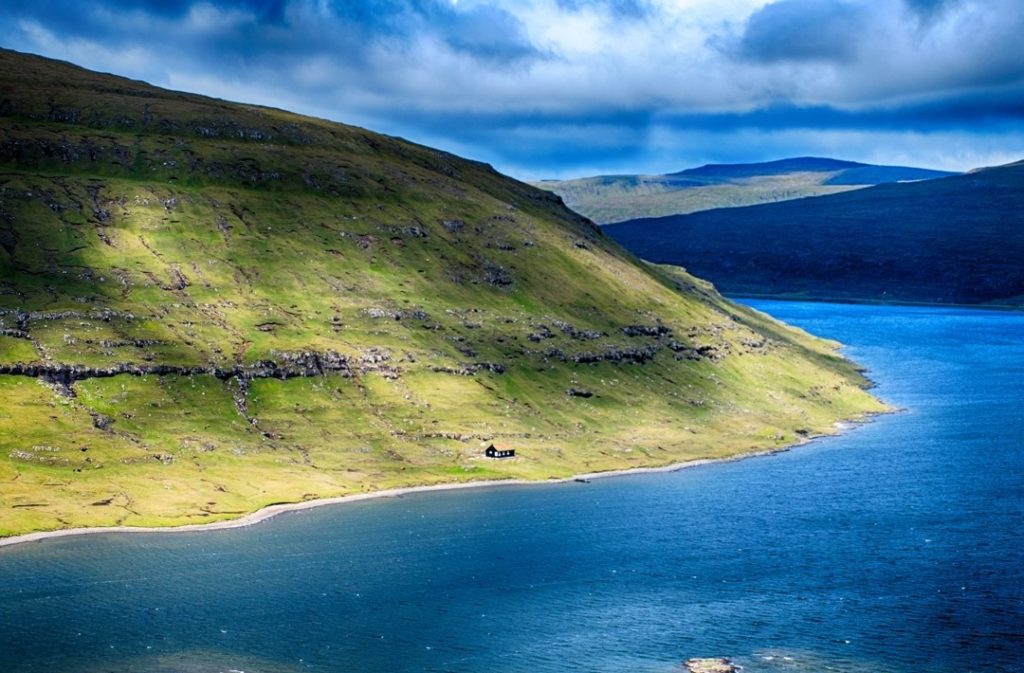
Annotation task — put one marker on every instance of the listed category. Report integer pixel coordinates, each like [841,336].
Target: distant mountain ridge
[956,240]
[614,198]
[777,167]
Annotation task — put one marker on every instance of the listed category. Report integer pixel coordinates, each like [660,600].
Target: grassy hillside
[208,307]
[614,198]
[955,240]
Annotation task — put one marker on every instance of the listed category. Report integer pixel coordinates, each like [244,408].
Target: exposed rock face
[288,365]
[470,370]
[543,332]
[497,276]
[22,318]
[637,356]
[646,330]
[580,334]
[391,314]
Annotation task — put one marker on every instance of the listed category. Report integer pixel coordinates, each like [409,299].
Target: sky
[566,88]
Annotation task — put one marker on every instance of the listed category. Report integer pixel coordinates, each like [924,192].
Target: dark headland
[953,240]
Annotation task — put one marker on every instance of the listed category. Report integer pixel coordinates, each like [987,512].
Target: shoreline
[271,511]
[873,301]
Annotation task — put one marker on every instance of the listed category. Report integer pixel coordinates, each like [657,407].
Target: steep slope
[955,240]
[614,198]
[207,307]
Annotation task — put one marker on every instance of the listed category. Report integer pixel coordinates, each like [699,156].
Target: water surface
[896,547]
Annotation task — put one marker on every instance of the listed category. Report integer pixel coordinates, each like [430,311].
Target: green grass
[131,236]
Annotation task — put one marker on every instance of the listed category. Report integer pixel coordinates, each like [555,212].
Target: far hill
[957,240]
[614,198]
[208,307]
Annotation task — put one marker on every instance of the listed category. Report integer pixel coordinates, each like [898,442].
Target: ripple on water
[893,548]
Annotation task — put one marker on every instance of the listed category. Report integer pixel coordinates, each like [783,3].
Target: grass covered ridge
[143,229]
[616,198]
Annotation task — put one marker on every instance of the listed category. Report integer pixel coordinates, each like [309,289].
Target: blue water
[896,547]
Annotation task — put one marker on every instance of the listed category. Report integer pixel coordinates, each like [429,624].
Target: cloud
[488,33]
[564,85]
[803,30]
[929,8]
[634,9]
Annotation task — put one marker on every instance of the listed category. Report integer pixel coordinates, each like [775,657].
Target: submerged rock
[711,665]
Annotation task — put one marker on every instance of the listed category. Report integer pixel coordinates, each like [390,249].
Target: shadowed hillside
[207,307]
[955,240]
[614,198]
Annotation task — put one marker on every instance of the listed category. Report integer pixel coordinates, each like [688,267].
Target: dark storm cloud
[803,30]
[614,137]
[547,85]
[981,113]
[929,7]
[489,33]
[293,27]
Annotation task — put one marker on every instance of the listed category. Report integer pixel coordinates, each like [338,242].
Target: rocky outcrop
[706,352]
[471,369]
[498,276]
[646,330]
[638,355]
[542,332]
[399,315]
[22,318]
[576,333]
[286,366]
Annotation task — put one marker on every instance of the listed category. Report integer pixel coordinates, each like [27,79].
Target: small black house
[494,452]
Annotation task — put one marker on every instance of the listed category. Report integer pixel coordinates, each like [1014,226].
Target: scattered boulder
[575,333]
[101,422]
[376,312]
[646,330]
[543,332]
[497,276]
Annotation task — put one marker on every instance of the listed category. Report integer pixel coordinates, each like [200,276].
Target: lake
[898,546]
